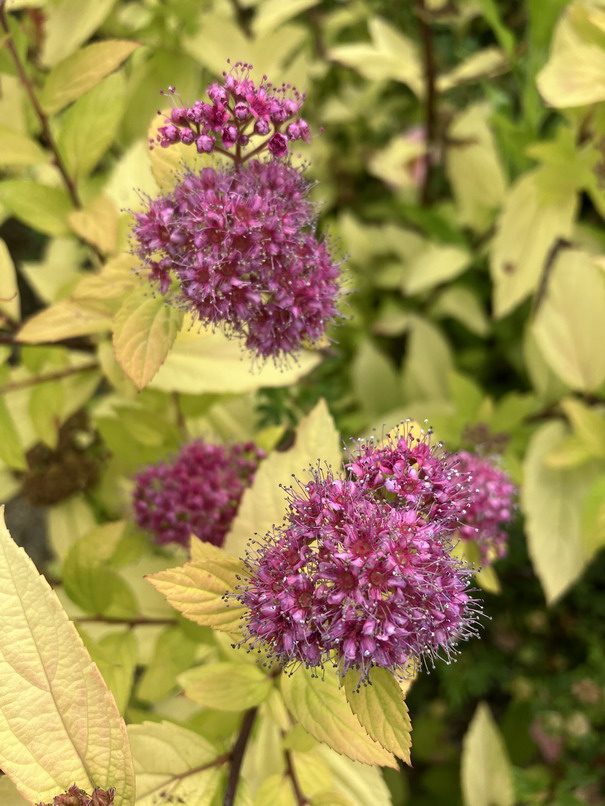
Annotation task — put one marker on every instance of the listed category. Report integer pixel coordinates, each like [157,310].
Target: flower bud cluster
[197,493]
[238,114]
[78,797]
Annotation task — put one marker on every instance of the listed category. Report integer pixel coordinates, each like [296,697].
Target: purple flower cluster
[362,574]
[238,112]
[241,245]
[78,797]
[490,507]
[197,493]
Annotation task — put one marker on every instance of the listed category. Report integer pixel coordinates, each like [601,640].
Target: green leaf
[527,229]
[486,772]
[90,125]
[489,10]
[203,362]
[226,686]
[381,709]
[59,723]
[67,522]
[82,71]
[264,504]
[272,14]
[42,208]
[171,759]
[18,149]
[427,363]
[434,265]
[588,424]
[69,23]
[593,518]
[462,305]
[116,657]
[320,705]
[375,380]
[11,451]
[552,500]
[571,320]
[9,295]
[46,405]
[144,330]
[173,654]
[197,590]
[474,168]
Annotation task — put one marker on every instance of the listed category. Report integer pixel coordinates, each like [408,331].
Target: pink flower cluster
[241,245]
[197,493]
[490,507]
[362,574]
[239,111]
[78,797]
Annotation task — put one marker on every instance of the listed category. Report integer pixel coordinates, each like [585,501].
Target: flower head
[196,493]
[241,246]
[490,507]
[239,111]
[78,797]
[352,580]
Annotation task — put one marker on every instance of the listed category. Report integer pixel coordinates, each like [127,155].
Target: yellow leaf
[144,329]
[486,772]
[434,265]
[394,163]
[168,163]
[272,14]
[97,224]
[64,320]
[264,504]
[68,23]
[196,590]
[18,149]
[527,228]
[575,72]
[131,180]
[361,784]
[203,362]
[171,759]
[81,71]
[474,168]
[571,320]
[9,291]
[488,62]
[588,425]
[226,686]
[552,501]
[381,709]
[59,724]
[320,705]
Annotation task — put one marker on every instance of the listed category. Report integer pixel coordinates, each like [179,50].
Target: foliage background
[460,170]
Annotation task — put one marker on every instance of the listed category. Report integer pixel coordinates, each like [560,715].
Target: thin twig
[179,777]
[77,343]
[549,263]
[127,622]
[237,756]
[301,800]
[28,86]
[50,376]
[430,100]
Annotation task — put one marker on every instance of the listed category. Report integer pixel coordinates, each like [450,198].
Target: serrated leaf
[18,149]
[89,126]
[69,23]
[196,590]
[552,500]
[145,328]
[64,320]
[320,705]
[97,224]
[381,709]
[59,724]
[42,208]
[203,362]
[486,772]
[9,291]
[264,503]
[571,320]
[434,265]
[226,686]
[171,759]
[81,71]
[527,229]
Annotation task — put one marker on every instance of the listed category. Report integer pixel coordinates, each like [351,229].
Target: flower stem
[237,756]
[42,117]
[301,800]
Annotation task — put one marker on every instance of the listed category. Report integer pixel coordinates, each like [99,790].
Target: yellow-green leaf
[116,656]
[9,291]
[226,686]
[277,790]
[427,363]
[203,362]
[487,62]
[83,70]
[320,705]
[359,783]
[11,450]
[588,425]
[196,590]
[264,504]
[552,500]
[434,265]
[272,14]
[40,207]
[381,709]
[593,518]
[18,149]
[97,224]
[59,724]
[168,758]
[9,795]
[69,23]
[486,772]
[571,320]
[527,228]
[168,163]
[46,406]
[64,320]
[375,380]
